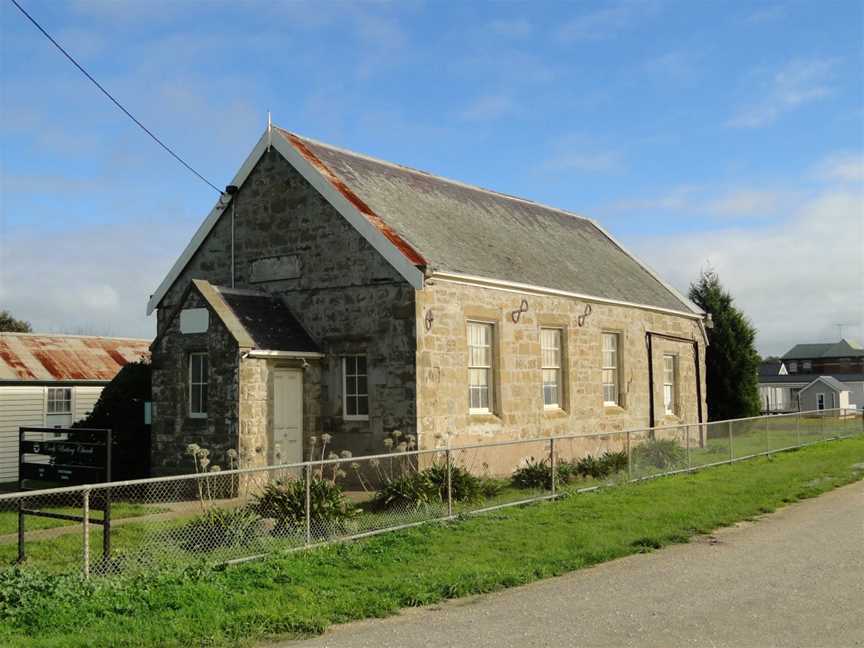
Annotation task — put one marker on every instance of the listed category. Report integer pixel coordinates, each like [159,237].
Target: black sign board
[65,457]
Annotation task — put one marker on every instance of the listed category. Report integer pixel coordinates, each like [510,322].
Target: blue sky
[729,134]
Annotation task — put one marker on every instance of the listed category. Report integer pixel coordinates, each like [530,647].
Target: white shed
[53,381]
[824,393]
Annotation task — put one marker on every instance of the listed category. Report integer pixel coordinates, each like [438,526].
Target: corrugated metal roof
[49,358]
[448,226]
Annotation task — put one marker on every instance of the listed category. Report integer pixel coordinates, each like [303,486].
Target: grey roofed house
[831,381]
[841,349]
[333,293]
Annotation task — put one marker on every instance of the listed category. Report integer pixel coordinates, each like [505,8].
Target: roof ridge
[458,183]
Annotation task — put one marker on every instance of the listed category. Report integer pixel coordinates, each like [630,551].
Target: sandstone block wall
[519,413]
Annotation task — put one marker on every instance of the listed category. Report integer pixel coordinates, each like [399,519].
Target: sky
[723,135]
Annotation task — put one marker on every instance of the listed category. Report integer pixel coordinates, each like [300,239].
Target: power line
[113,100]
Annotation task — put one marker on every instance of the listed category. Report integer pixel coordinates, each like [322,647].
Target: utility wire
[113,100]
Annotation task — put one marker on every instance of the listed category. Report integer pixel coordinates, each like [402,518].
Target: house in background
[825,392]
[330,292]
[780,382]
[53,381]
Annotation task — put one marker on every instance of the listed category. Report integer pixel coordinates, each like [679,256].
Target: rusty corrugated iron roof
[71,358]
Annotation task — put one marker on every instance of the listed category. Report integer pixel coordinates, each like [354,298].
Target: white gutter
[520,288]
[261,353]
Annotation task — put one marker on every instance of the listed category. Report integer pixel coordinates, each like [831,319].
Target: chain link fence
[234,515]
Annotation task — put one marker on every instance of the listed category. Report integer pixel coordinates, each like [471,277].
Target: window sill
[554,412]
[482,417]
[355,418]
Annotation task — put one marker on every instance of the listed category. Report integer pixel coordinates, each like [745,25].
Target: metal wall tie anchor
[516,314]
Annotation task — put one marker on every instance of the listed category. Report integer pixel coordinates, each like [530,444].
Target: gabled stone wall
[289,241]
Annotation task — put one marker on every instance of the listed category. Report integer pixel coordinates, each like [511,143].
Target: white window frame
[356,393]
[67,399]
[806,364]
[204,382]
[793,366]
[670,379]
[489,367]
[833,400]
[820,401]
[614,367]
[550,364]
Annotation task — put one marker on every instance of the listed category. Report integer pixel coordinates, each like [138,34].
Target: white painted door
[287,442]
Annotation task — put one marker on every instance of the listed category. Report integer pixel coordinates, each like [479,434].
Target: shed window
[59,400]
[611,394]
[480,367]
[669,370]
[355,387]
[198,373]
[550,349]
[820,401]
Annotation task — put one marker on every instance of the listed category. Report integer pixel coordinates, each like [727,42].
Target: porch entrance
[287,441]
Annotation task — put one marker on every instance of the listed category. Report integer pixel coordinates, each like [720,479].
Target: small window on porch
[355,389]
[198,372]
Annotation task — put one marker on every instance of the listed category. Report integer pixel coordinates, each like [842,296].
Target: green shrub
[285,503]
[533,473]
[219,527]
[411,490]
[664,454]
[429,486]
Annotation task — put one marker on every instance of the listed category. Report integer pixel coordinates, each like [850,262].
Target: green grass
[303,593]
[9,519]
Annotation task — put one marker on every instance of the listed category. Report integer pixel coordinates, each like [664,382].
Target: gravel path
[793,578]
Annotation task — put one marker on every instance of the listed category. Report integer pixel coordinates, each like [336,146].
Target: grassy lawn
[302,593]
[9,519]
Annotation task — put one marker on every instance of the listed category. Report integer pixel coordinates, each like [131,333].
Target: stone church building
[330,292]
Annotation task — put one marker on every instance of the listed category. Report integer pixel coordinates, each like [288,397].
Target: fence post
[767,443]
[629,469]
[86,524]
[687,441]
[449,484]
[822,424]
[798,429]
[731,451]
[308,504]
[552,462]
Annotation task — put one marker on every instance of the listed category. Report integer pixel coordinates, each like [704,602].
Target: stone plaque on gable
[275,268]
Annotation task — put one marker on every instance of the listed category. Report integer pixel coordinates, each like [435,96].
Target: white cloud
[91,279]
[748,202]
[489,106]
[842,167]
[676,199]
[606,22]
[516,28]
[795,84]
[794,280]
[594,162]
[765,14]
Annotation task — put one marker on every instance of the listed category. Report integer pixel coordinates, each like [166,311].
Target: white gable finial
[269,131]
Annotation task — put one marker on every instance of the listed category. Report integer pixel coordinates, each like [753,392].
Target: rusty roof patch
[48,358]
[406,248]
